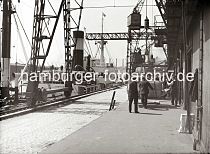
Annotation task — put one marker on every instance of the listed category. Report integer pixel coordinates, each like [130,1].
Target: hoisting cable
[52,7]
[22,44]
[22,26]
[21,40]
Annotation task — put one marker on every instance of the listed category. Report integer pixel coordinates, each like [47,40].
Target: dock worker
[174,91]
[133,95]
[144,91]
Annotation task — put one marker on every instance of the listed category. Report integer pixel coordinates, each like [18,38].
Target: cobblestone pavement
[36,131]
[153,130]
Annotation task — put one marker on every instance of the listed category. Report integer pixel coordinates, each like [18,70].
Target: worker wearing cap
[144,91]
[133,95]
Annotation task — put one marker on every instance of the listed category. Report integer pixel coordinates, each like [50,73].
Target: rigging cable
[146,8]
[21,40]
[152,13]
[90,48]
[97,51]
[88,44]
[22,26]
[90,51]
[86,52]
[87,48]
[110,58]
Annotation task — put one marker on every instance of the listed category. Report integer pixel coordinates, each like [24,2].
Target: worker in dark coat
[174,91]
[194,87]
[144,91]
[133,95]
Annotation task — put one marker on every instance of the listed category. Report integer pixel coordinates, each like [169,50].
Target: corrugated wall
[206,82]
[195,53]
[195,27]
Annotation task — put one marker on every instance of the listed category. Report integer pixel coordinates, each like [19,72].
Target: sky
[115,21]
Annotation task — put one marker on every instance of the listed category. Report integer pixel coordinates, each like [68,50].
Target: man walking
[133,95]
[144,91]
[174,92]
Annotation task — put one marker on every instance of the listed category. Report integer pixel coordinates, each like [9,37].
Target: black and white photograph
[104,76]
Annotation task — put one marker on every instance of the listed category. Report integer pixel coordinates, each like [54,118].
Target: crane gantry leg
[39,52]
[42,34]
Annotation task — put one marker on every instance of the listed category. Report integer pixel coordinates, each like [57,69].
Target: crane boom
[138,7]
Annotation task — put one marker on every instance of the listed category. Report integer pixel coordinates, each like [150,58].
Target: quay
[65,65]
[153,130]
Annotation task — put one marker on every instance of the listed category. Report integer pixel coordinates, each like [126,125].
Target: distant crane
[136,33]
[134,26]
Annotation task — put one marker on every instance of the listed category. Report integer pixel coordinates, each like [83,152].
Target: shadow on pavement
[80,111]
[159,107]
[150,113]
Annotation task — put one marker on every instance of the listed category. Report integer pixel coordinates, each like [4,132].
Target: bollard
[111,104]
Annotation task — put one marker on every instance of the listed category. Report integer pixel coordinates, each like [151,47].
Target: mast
[102,59]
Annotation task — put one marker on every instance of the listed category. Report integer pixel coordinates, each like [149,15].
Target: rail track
[61,101]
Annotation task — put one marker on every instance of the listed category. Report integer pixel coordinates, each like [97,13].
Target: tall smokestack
[78,52]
